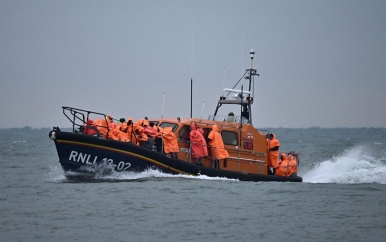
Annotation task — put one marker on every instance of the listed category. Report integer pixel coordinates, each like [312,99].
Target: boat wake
[351,167]
[57,175]
[155,174]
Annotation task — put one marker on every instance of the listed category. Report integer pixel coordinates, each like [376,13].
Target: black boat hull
[84,154]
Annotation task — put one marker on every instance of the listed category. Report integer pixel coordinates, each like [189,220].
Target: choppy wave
[353,166]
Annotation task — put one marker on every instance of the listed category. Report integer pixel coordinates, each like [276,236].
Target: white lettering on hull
[82,158]
[85,158]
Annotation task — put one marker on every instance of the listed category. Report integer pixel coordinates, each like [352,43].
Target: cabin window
[155,122]
[166,124]
[229,138]
[248,145]
[184,133]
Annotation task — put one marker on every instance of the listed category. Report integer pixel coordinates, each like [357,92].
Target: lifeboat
[126,147]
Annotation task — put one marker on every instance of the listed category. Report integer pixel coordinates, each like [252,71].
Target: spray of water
[155,174]
[56,174]
[353,166]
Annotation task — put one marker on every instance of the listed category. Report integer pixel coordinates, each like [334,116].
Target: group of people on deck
[142,133]
[200,148]
[146,134]
[286,165]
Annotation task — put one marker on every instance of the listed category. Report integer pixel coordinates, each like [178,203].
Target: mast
[242,97]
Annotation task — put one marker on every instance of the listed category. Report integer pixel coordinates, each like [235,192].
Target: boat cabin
[246,146]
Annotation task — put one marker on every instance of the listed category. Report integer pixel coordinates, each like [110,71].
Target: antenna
[163,104]
[223,81]
[252,54]
[242,53]
[191,71]
[191,57]
[203,106]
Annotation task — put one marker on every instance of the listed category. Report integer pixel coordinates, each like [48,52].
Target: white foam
[155,173]
[56,174]
[353,166]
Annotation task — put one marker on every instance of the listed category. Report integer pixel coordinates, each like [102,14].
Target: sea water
[342,198]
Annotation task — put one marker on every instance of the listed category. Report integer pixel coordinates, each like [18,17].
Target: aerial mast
[239,99]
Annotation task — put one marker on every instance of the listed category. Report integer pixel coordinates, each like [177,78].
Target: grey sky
[322,63]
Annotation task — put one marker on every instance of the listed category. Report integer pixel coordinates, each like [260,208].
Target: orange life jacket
[170,140]
[274,154]
[149,131]
[217,144]
[286,167]
[89,128]
[198,142]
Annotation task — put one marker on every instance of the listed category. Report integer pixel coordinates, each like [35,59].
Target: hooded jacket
[217,144]
[198,142]
[273,151]
[286,167]
[170,140]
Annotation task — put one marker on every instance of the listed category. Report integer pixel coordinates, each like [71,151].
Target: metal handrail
[238,158]
[81,115]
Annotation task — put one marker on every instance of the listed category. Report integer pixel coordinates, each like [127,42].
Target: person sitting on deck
[118,131]
[90,128]
[198,144]
[139,133]
[128,129]
[287,166]
[293,163]
[217,146]
[111,122]
[105,127]
[150,132]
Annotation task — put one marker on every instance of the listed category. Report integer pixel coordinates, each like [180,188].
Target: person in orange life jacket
[111,122]
[198,144]
[282,168]
[140,134]
[112,125]
[121,121]
[170,142]
[128,130]
[102,127]
[273,153]
[150,132]
[293,164]
[90,128]
[105,128]
[118,132]
[135,134]
[217,146]
[158,138]
[286,166]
